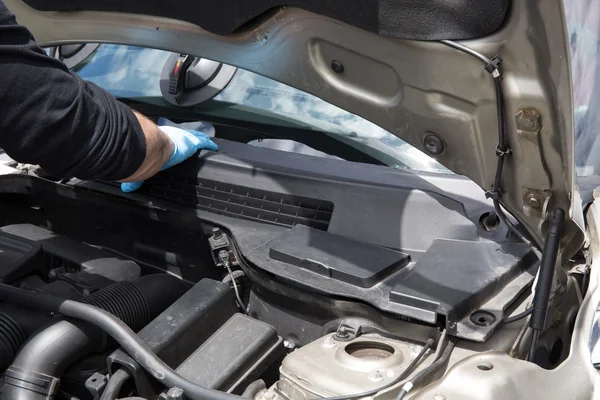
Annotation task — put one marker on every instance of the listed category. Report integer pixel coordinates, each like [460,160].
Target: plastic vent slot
[242,202]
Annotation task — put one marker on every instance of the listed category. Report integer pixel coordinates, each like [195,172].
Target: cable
[400,377]
[517,317]
[467,50]
[235,289]
[424,373]
[225,262]
[440,345]
[493,67]
[119,331]
[115,384]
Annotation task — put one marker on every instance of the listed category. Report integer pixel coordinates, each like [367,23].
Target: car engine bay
[279,304]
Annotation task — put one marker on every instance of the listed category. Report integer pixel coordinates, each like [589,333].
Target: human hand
[185,144]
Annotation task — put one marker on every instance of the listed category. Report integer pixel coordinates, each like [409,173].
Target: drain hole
[483,318]
[485,366]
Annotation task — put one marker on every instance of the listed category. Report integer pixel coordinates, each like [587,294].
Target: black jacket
[53,118]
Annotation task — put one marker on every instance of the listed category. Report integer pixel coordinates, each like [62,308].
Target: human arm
[68,126]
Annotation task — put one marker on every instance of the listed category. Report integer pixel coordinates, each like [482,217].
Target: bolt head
[288,344]
[328,342]
[528,120]
[175,393]
[217,233]
[534,200]
[434,144]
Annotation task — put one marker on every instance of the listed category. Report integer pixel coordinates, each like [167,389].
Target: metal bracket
[346,333]
[119,359]
[535,186]
[96,384]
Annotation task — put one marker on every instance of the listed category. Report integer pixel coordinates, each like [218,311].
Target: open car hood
[396,73]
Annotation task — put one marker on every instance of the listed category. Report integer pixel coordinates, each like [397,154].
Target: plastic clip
[493,67]
[493,194]
[501,153]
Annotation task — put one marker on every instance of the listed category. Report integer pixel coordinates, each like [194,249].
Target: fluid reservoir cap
[201,72]
[185,83]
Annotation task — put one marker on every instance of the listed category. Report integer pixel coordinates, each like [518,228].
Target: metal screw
[328,343]
[534,200]
[528,119]
[337,67]
[217,233]
[175,393]
[52,273]
[375,376]
[434,144]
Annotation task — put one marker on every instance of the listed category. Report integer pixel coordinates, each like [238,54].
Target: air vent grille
[242,202]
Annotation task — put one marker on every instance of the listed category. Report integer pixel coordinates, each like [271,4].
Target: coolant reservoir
[328,367]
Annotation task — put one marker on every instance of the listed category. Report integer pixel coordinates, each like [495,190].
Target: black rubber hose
[36,371]
[17,324]
[119,331]
[115,384]
[517,317]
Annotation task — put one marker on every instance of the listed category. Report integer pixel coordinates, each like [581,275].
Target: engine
[97,323]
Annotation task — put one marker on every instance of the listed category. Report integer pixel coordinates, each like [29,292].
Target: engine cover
[328,367]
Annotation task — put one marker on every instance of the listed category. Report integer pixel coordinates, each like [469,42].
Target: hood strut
[502,150]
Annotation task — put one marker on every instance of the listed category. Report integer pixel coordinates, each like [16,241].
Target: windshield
[134,72]
[583,20]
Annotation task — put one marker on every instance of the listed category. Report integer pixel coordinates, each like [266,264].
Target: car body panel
[408,88]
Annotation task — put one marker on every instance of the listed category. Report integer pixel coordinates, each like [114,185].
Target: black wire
[425,372]
[400,378]
[502,149]
[467,50]
[517,317]
[534,340]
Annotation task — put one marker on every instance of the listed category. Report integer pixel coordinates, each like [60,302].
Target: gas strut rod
[546,276]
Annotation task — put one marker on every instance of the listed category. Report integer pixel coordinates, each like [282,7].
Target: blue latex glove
[185,144]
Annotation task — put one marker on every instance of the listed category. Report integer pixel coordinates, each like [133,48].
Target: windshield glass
[583,20]
[134,72]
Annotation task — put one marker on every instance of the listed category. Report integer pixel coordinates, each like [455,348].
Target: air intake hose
[17,323]
[36,371]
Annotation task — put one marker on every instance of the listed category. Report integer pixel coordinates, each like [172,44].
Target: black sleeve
[54,119]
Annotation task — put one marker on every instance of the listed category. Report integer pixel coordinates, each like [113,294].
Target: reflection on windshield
[128,71]
[583,20]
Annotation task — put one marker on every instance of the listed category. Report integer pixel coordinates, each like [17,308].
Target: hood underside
[410,88]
